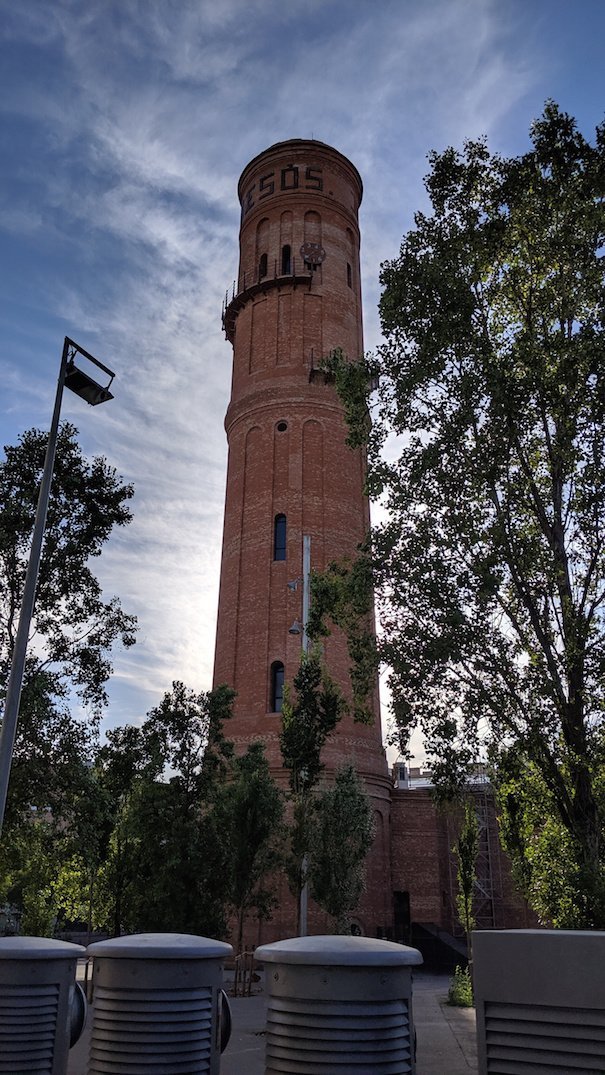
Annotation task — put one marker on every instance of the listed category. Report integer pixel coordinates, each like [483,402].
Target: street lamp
[84,386]
[296,629]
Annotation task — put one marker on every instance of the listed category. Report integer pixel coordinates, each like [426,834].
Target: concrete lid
[339,951]
[39,948]
[161,946]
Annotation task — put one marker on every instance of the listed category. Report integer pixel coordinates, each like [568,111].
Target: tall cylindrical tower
[292,480]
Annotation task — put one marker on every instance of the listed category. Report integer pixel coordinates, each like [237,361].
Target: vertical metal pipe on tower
[306,589]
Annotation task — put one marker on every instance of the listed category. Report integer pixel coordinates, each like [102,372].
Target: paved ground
[447,1043]
[446,1036]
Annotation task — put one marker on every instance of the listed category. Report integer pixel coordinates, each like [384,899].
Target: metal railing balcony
[252,283]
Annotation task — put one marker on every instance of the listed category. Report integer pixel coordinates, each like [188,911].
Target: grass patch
[460,994]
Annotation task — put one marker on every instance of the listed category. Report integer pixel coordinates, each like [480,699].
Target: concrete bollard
[339,1004]
[157,1004]
[540,1000]
[37,1001]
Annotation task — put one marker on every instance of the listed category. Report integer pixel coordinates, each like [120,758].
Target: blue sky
[124,126]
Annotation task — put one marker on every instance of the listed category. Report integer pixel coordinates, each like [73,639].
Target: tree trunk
[91,887]
[241,914]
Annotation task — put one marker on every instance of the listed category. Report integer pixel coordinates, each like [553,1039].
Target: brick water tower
[294,495]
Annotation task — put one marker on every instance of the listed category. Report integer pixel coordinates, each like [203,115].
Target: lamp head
[84,386]
[80,382]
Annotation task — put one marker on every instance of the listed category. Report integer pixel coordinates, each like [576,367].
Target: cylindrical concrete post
[339,1005]
[157,1005]
[37,985]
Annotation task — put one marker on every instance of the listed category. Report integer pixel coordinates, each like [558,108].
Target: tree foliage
[54,808]
[197,830]
[465,851]
[50,796]
[341,836]
[545,863]
[168,861]
[310,713]
[74,628]
[252,815]
[162,828]
[97,876]
[52,754]
[490,566]
[344,593]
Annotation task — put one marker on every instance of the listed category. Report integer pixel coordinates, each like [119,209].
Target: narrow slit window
[279,537]
[262,266]
[349,275]
[277,686]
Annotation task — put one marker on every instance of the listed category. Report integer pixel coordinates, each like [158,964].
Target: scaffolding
[488,896]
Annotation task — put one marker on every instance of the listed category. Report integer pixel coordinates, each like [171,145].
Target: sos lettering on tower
[280,181]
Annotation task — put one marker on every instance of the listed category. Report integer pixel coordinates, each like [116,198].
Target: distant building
[423,865]
[293,484]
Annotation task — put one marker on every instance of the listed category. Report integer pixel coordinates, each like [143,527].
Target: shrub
[460,993]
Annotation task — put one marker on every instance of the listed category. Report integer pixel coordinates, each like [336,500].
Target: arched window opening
[262,266]
[286,260]
[277,686]
[279,538]
[312,227]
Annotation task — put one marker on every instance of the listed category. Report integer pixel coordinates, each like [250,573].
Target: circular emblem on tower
[312,253]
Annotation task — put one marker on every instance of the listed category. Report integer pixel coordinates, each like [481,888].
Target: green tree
[344,593]
[74,628]
[72,893]
[490,566]
[54,805]
[167,849]
[91,881]
[341,836]
[29,874]
[541,848]
[53,750]
[36,881]
[253,810]
[309,714]
[465,851]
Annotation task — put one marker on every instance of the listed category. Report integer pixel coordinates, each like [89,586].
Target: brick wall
[423,863]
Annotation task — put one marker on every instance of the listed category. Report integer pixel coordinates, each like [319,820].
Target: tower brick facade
[290,473]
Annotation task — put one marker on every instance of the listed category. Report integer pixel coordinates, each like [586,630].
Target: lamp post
[295,629]
[304,895]
[88,389]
